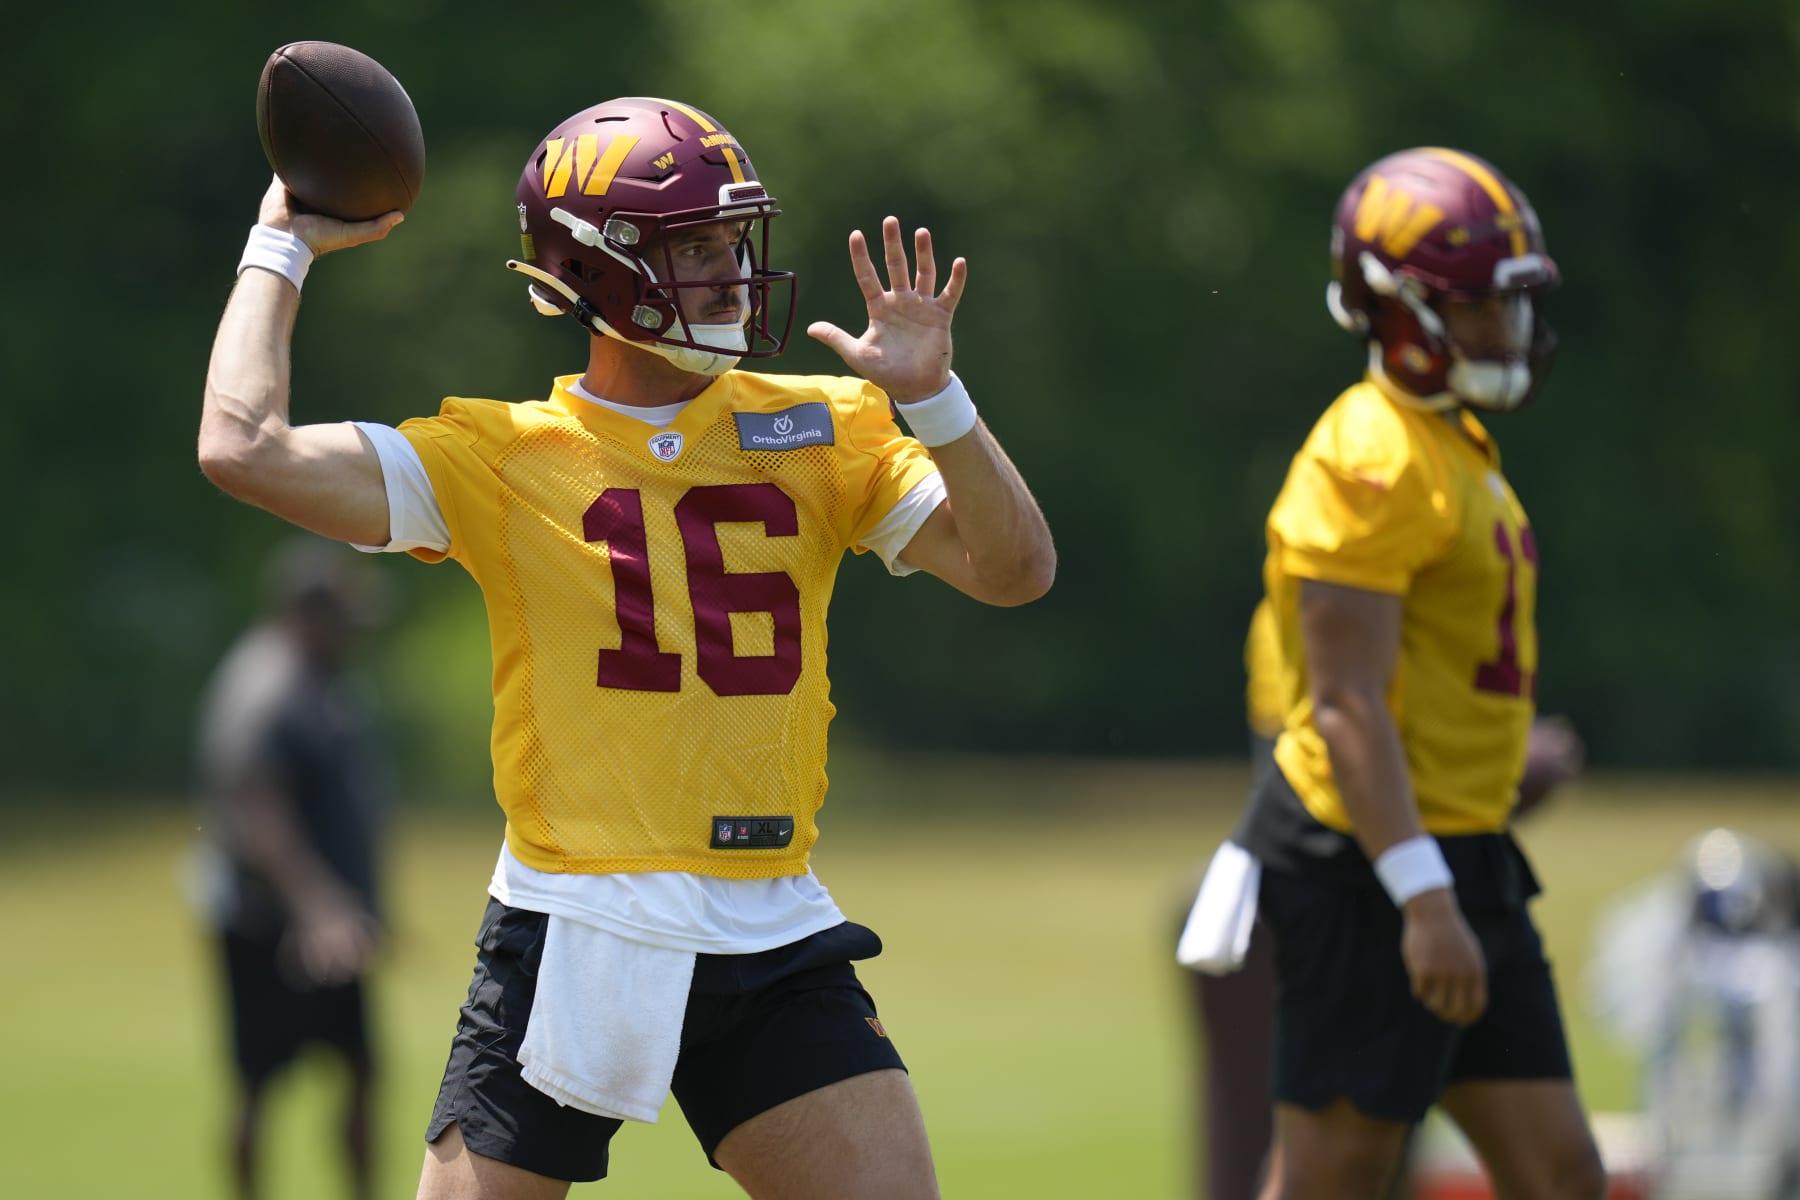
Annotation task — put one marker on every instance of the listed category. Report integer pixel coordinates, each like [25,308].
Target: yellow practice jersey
[1265,692]
[1393,499]
[656,602]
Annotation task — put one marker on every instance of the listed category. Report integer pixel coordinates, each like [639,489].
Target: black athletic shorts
[1347,1024]
[759,1030]
[272,1017]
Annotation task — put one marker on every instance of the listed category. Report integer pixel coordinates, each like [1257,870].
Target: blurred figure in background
[1402,574]
[1234,1009]
[292,794]
[1700,971]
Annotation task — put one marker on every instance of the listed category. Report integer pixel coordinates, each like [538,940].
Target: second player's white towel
[1217,933]
[605,1027]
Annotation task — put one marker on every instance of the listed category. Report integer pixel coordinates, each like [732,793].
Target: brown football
[339,131]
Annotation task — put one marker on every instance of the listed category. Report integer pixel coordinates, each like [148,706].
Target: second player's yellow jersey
[1393,499]
[656,604]
[1265,692]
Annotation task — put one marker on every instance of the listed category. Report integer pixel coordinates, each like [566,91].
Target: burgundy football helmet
[1430,225]
[598,201]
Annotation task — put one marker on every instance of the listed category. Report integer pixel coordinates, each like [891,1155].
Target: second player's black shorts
[760,1029]
[1347,1024]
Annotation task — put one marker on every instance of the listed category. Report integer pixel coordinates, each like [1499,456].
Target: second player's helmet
[598,201]
[1429,225]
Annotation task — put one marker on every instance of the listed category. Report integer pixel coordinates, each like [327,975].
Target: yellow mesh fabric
[1391,499]
[626,771]
[1264,696]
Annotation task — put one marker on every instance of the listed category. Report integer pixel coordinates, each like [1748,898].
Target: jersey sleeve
[447,447]
[415,521]
[882,466]
[1360,506]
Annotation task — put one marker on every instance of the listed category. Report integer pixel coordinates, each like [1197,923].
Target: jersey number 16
[639,665]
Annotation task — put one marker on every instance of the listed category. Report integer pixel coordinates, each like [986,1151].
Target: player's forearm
[325,478]
[1369,766]
[1002,529]
[245,407]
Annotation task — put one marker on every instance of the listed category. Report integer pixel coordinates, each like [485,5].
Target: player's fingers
[358,232]
[896,254]
[925,282]
[1444,996]
[1471,998]
[831,335]
[953,290]
[1477,1002]
[1452,1005]
[1429,991]
[275,208]
[862,266]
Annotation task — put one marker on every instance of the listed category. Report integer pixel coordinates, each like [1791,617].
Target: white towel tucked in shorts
[1217,933]
[605,1027]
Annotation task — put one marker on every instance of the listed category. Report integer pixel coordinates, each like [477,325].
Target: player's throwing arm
[342,131]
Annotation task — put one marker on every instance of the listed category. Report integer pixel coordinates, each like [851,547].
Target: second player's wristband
[942,418]
[1407,869]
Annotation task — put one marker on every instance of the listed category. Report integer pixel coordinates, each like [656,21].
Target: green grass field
[1029,911]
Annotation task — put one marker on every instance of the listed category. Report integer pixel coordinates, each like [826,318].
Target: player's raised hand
[905,351]
[321,233]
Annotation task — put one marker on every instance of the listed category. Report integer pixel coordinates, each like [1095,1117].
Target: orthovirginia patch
[790,429]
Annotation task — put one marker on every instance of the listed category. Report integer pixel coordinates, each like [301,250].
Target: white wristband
[943,417]
[279,251]
[1408,868]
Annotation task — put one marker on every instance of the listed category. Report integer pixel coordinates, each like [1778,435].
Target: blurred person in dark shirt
[292,787]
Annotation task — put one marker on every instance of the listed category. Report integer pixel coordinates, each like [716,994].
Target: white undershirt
[671,909]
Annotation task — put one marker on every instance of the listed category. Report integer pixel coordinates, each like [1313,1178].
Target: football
[340,131]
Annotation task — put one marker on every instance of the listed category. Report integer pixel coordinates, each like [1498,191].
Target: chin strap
[1400,393]
[721,346]
[546,307]
[1501,386]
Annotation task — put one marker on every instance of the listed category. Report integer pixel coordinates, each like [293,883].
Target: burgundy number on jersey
[717,593]
[617,518]
[1504,676]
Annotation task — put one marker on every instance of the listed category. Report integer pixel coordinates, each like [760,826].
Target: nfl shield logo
[666,446]
[724,831]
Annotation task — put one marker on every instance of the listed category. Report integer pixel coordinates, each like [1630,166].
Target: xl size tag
[790,429]
[751,833]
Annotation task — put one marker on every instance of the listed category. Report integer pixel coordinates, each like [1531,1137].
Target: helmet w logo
[1388,217]
[582,159]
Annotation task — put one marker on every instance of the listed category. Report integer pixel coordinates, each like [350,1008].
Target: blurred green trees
[1143,190]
